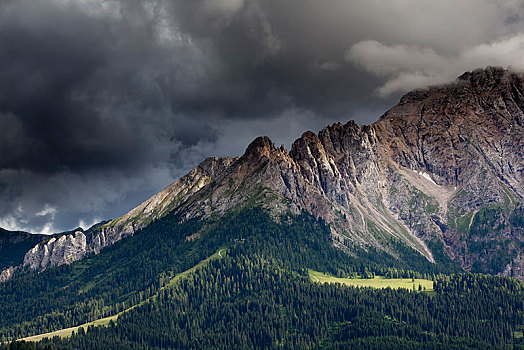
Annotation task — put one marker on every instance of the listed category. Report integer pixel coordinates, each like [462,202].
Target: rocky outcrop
[7,273]
[442,168]
[14,244]
[160,204]
[57,251]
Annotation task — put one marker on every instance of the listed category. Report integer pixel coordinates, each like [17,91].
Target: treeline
[300,241]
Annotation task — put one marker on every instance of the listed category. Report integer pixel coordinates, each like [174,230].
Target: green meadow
[376,282]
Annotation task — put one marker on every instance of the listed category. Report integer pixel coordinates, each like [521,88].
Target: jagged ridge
[444,167]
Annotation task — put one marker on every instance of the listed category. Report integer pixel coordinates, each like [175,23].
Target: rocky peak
[443,130]
[306,147]
[263,148]
[261,144]
[434,168]
[485,78]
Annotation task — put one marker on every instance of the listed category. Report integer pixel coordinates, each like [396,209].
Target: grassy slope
[66,333]
[377,282]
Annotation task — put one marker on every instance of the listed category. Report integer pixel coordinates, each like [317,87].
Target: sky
[105,102]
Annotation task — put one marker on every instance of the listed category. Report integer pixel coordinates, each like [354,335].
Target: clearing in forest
[376,282]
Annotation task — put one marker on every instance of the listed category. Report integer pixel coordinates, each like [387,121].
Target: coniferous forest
[254,174]
[257,295]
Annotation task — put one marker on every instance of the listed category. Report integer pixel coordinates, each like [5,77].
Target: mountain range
[241,252]
[441,173]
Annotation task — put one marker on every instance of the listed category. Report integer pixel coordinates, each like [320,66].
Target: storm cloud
[409,67]
[105,102]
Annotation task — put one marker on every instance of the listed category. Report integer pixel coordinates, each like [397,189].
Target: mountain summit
[441,173]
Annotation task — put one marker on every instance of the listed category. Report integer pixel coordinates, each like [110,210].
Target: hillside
[258,295]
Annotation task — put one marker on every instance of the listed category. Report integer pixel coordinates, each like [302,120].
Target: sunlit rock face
[7,273]
[57,251]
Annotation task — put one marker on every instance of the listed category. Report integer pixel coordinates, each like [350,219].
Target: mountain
[230,255]
[441,173]
[442,168]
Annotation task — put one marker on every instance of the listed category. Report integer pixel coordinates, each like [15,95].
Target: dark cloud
[104,102]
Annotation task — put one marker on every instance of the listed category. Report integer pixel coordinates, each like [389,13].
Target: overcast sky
[104,103]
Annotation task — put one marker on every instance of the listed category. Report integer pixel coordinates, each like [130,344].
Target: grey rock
[57,251]
[7,273]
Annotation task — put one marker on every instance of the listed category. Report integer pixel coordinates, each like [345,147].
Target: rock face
[467,138]
[7,273]
[55,252]
[443,169]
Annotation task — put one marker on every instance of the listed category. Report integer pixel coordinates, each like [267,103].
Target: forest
[258,295]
